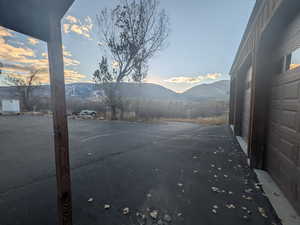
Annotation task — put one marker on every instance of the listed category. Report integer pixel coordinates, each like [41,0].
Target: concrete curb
[282,206]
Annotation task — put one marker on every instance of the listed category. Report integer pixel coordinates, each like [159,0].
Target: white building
[10,106]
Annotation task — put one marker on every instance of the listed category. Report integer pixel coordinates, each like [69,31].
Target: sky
[204,38]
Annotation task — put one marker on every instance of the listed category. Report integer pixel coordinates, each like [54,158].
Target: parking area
[160,173]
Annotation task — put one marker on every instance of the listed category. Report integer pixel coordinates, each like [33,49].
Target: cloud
[115,65]
[71,76]
[17,59]
[294,66]
[66,28]
[12,53]
[66,52]
[5,32]
[213,76]
[33,41]
[71,19]
[75,25]
[68,60]
[14,68]
[82,30]
[193,80]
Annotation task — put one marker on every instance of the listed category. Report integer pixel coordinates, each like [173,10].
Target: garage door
[282,156]
[246,105]
[283,140]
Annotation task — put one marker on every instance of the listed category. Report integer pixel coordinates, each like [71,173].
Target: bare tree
[130,35]
[24,84]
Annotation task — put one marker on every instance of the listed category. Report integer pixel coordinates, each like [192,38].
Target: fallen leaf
[230,206]
[245,217]
[154,214]
[179,184]
[126,211]
[106,206]
[257,185]
[215,189]
[262,212]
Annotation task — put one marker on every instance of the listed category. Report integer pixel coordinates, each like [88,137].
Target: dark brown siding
[283,155]
[246,106]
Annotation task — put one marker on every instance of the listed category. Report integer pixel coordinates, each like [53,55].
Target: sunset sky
[204,38]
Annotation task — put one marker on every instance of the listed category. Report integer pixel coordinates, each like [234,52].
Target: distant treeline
[145,108]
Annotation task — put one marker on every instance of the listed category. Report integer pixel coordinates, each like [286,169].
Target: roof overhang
[249,28]
[31,17]
[271,34]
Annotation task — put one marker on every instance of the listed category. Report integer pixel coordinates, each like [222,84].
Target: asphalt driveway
[164,173]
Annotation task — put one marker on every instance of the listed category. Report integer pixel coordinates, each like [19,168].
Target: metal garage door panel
[282,157]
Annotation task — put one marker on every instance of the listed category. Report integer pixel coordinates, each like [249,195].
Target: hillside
[217,90]
[128,90]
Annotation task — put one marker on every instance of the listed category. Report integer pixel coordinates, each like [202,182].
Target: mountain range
[218,90]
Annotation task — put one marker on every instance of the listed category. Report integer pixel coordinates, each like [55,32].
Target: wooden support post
[60,123]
